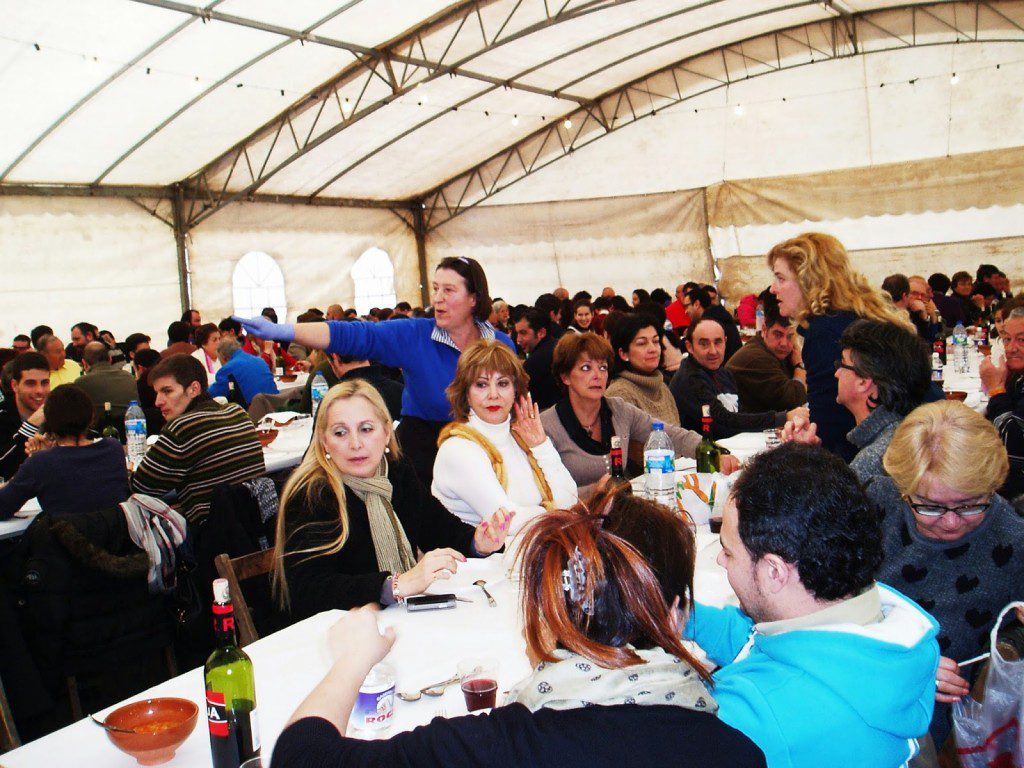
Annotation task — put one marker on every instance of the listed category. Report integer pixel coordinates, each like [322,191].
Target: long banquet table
[289,663]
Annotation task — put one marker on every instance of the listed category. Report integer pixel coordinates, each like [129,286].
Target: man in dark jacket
[21,417]
[701,380]
[534,336]
[769,370]
[340,368]
[699,305]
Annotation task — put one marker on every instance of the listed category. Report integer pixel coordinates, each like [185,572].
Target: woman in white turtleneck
[487,460]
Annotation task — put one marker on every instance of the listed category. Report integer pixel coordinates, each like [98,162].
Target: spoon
[431,690]
[483,585]
[115,728]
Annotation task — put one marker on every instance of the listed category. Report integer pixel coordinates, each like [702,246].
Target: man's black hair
[939,283]
[535,318]
[178,331]
[895,359]
[986,271]
[230,324]
[38,332]
[28,361]
[805,505]
[897,286]
[699,296]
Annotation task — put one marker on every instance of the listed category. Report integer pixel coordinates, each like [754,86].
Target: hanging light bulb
[346,107]
[515,119]
[954,79]
[738,109]
[567,123]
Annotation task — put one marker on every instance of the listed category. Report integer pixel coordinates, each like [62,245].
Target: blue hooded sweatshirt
[839,695]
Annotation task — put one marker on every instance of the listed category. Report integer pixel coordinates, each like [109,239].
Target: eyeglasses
[934,510]
[840,364]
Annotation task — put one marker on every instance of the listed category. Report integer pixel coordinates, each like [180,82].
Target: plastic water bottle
[318,391]
[375,702]
[759,318]
[135,432]
[659,466]
[960,353]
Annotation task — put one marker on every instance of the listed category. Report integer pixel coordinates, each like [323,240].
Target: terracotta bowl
[266,436]
[289,377]
[162,726]
[956,395]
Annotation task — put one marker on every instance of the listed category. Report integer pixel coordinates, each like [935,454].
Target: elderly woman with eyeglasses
[951,542]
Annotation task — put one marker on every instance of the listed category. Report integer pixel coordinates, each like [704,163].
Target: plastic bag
[989,733]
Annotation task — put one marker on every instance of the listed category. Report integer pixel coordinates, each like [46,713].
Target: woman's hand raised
[356,638]
[491,533]
[527,424]
[435,564]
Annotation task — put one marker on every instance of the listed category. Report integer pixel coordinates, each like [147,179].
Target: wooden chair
[237,570]
[8,731]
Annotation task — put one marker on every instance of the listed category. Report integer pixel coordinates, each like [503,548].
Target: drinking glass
[479,679]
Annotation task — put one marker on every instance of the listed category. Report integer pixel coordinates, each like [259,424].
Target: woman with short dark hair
[72,473]
[637,379]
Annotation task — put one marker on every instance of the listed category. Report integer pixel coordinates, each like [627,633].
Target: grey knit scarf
[391,545]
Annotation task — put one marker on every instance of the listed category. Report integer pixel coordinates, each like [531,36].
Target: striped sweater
[199,450]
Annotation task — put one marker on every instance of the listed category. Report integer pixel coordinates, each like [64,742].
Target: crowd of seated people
[477,425]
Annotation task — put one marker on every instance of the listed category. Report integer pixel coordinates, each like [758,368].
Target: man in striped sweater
[203,445]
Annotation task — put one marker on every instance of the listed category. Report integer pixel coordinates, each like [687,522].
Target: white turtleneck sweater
[465,483]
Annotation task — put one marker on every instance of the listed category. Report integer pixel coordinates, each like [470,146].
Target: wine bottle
[109,425]
[230,690]
[708,453]
[618,471]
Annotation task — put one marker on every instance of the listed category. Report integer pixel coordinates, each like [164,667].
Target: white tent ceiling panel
[855,123]
[345,149]
[70,260]
[75,55]
[634,54]
[413,165]
[294,14]
[212,125]
[374,22]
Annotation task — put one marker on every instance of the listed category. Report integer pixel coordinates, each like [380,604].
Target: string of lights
[419,98]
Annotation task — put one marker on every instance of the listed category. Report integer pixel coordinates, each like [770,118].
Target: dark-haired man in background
[21,417]
[883,375]
[699,304]
[534,336]
[769,369]
[820,664]
[203,445]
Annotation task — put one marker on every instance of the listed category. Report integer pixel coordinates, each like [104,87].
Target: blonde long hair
[829,282]
[313,471]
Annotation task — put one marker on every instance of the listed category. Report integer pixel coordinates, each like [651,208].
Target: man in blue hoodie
[820,665]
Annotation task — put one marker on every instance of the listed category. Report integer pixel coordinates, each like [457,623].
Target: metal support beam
[377,78]
[180,235]
[419,227]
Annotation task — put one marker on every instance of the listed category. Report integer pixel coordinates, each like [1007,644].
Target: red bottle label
[217,714]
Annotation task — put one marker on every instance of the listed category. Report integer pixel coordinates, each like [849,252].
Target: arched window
[374,278]
[257,283]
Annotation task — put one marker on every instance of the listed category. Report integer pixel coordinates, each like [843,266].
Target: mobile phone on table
[430,603]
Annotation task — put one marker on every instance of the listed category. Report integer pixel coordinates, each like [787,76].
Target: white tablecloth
[289,664]
[300,381]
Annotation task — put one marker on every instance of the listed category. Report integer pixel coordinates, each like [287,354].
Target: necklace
[590,430]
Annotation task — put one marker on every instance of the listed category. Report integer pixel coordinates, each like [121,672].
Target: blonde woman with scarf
[487,460]
[353,516]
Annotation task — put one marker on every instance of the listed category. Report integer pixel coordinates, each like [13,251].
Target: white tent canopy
[584,142]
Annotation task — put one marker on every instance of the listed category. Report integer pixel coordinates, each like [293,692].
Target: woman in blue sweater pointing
[427,350]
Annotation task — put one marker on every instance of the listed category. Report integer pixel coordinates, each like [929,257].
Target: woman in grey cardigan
[582,423]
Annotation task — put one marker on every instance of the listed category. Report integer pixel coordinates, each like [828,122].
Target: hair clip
[574,582]
[463,259]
